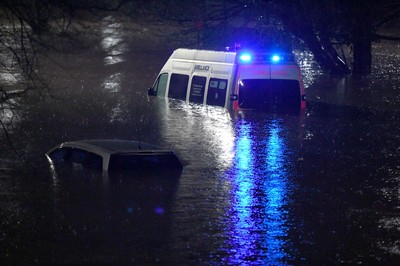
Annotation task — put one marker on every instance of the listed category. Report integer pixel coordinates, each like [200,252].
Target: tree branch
[384,37]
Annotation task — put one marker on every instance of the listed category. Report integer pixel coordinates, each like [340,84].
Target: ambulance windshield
[267,94]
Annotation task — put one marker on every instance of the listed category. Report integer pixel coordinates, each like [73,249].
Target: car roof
[107,147]
[114,145]
[111,145]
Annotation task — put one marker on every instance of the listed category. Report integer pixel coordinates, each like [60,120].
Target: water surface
[257,188]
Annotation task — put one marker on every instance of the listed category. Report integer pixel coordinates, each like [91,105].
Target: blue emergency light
[275,58]
[245,58]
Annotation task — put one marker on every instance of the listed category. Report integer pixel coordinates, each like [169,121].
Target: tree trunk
[38,16]
[362,50]
[362,57]
[361,39]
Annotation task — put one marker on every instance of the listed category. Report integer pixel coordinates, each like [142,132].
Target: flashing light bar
[246,58]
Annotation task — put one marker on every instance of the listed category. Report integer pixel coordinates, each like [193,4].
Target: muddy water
[256,189]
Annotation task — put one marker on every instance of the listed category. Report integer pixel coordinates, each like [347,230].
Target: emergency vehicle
[235,80]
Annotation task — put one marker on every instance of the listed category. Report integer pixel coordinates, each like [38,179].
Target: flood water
[322,187]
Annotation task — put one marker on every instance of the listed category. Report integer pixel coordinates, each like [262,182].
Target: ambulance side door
[217,91]
[197,89]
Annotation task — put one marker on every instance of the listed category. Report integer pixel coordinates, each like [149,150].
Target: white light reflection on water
[309,68]
[9,78]
[113,44]
[9,72]
[112,41]
[219,127]
[212,123]
[259,188]
[113,82]
[9,114]
[55,180]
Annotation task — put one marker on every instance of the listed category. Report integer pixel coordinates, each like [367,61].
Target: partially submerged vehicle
[114,154]
[232,79]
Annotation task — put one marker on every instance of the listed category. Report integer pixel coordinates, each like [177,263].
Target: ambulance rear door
[269,87]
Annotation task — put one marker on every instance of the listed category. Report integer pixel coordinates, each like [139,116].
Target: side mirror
[151,92]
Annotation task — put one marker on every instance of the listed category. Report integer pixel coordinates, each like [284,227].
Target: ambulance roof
[204,55]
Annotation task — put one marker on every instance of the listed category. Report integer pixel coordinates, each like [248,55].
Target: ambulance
[236,80]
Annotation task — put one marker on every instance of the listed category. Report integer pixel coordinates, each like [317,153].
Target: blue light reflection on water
[243,188]
[258,212]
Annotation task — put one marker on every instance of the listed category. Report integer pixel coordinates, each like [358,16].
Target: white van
[232,79]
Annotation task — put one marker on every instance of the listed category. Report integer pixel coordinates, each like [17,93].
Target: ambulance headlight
[245,58]
[275,58]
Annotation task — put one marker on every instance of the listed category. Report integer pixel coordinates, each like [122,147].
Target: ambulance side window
[178,86]
[161,84]
[197,89]
[217,91]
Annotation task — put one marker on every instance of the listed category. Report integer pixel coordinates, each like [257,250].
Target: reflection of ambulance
[234,80]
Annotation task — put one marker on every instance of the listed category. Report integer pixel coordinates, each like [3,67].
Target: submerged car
[115,154]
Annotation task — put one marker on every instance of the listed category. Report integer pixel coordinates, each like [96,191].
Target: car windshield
[79,156]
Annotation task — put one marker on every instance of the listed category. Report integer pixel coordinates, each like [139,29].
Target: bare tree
[18,64]
[27,28]
[325,27]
